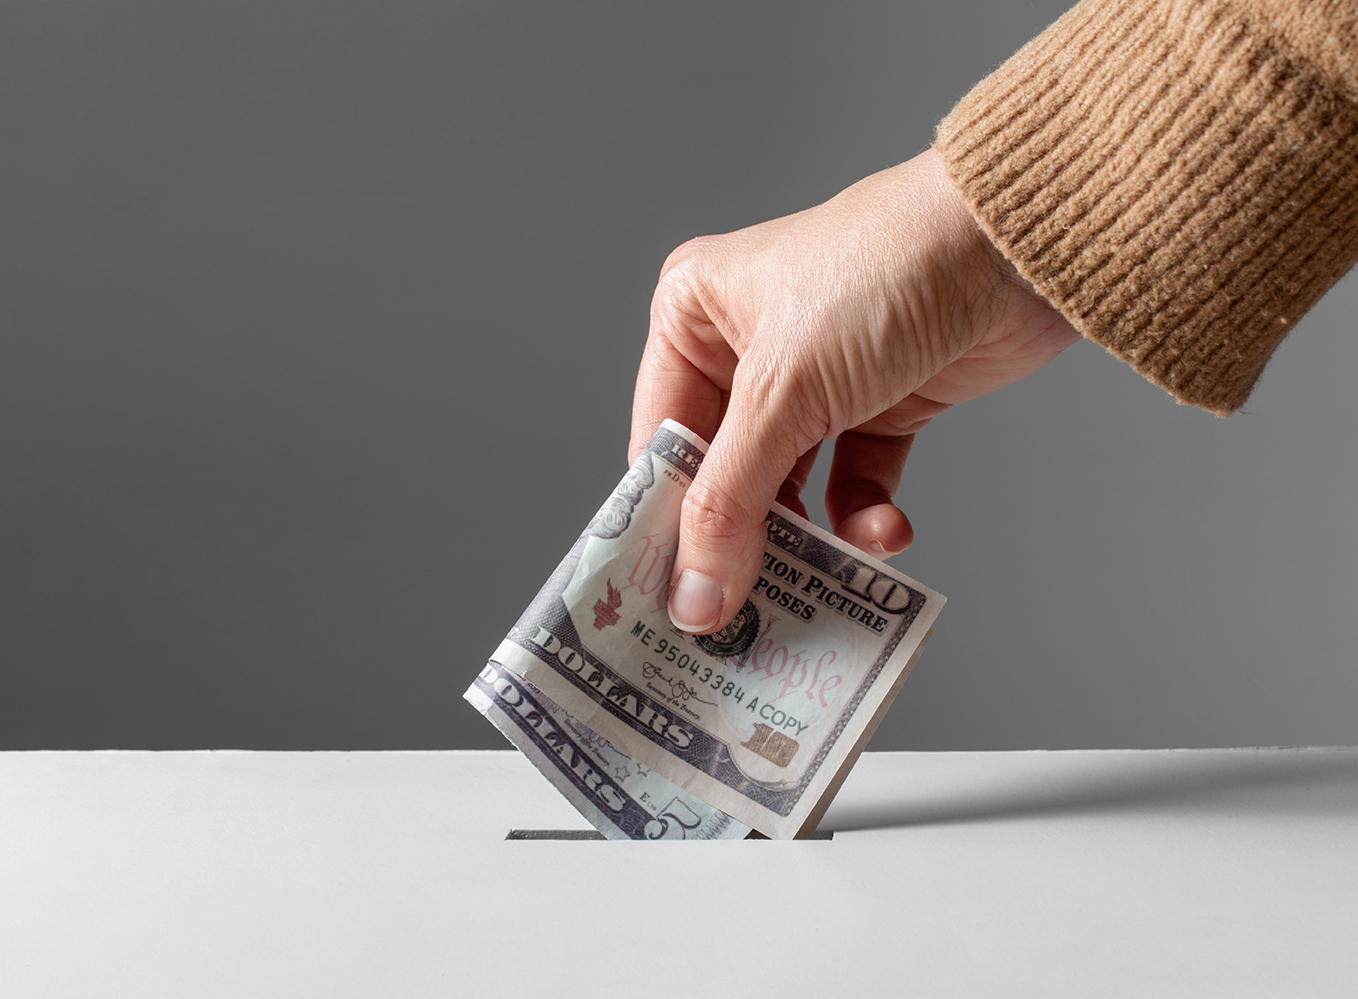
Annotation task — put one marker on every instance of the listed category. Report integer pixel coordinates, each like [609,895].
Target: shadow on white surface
[1046,785]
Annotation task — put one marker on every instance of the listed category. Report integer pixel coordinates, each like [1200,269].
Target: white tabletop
[1230,872]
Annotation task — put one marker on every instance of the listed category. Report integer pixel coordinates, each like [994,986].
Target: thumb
[721,525]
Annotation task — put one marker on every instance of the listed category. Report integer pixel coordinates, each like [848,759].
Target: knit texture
[1178,177]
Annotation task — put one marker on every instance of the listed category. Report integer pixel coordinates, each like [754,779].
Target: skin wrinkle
[674,360]
[822,322]
[899,312]
[703,514]
[708,362]
[1003,274]
[966,314]
[994,240]
[712,309]
[979,305]
[786,391]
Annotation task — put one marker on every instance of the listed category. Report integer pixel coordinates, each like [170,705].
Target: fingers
[687,366]
[721,527]
[790,493]
[688,373]
[670,386]
[859,495]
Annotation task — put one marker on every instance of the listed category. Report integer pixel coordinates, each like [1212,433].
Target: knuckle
[686,255]
[905,419]
[687,314]
[711,520]
[899,424]
[791,394]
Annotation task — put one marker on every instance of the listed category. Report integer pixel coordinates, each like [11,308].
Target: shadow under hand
[1004,787]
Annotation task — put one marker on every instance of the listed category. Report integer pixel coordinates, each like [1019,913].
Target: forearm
[1179,178]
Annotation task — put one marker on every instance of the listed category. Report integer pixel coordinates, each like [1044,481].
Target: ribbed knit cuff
[1178,177]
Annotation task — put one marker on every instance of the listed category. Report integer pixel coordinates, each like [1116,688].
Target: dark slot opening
[591,835]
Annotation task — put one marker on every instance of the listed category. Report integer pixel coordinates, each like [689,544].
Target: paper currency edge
[834,765]
[827,797]
[565,777]
[539,670]
[591,813]
[826,781]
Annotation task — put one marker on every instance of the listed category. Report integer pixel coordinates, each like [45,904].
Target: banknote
[620,797]
[762,720]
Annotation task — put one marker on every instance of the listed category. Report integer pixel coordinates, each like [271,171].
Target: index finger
[670,386]
[686,369]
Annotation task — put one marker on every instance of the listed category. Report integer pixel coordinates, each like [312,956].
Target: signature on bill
[678,688]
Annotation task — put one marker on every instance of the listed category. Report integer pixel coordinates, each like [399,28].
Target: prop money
[762,720]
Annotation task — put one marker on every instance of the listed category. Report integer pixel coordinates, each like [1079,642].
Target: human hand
[861,318]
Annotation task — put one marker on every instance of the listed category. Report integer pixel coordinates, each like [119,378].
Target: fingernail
[695,603]
[877,546]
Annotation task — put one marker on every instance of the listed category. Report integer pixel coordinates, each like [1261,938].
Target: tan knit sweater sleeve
[1178,177]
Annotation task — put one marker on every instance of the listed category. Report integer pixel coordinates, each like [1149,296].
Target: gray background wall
[319,323]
